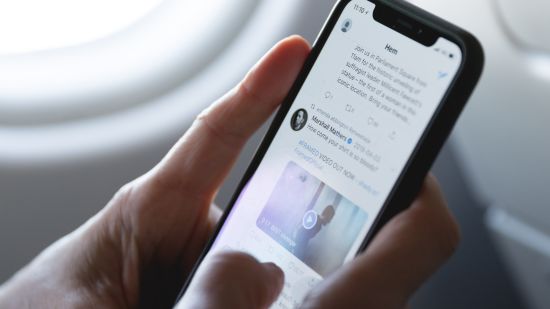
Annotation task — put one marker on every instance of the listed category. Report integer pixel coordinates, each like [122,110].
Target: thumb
[233,280]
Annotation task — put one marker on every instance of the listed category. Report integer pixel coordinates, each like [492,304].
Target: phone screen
[332,164]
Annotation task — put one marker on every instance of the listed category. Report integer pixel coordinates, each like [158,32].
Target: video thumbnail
[311,220]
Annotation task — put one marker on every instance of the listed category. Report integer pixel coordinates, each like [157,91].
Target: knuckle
[431,210]
[444,228]
[123,194]
[450,237]
[213,121]
[248,93]
[437,225]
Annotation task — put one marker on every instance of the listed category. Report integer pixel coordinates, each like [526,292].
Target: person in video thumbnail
[312,224]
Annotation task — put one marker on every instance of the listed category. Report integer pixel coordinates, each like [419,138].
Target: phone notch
[404,25]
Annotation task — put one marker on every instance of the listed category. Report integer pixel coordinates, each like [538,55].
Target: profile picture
[298,120]
[311,220]
[346,25]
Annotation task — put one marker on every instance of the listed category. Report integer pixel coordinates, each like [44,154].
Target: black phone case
[410,181]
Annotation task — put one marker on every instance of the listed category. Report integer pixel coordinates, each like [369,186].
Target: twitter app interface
[331,166]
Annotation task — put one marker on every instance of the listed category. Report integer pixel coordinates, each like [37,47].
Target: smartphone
[350,146]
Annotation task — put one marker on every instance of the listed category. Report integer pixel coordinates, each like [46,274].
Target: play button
[309,220]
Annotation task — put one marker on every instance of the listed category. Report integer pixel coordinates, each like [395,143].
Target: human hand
[410,248]
[139,249]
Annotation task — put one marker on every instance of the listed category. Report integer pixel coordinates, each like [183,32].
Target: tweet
[307,217]
[335,159]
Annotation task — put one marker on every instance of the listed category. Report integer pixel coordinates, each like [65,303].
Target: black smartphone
[353,141]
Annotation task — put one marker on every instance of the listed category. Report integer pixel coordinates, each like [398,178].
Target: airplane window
[133,86]
[89,58]
[31,25]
